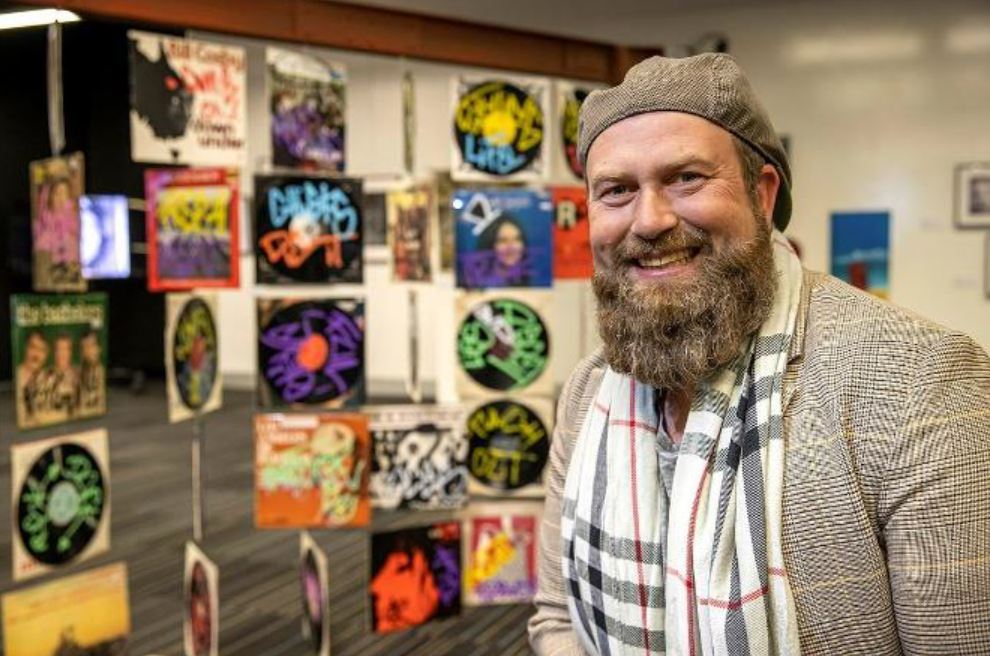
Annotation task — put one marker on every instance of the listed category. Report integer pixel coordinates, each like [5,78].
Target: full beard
[675,334]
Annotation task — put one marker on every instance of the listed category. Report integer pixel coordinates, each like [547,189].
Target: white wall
[374,152]
[881,100]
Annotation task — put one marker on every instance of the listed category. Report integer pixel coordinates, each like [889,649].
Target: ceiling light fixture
[34,17]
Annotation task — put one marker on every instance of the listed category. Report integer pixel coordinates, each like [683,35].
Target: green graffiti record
[60,504]
[508,445]
[503,345]
[194,353]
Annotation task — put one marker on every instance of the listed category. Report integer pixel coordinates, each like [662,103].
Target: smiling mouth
[667,260]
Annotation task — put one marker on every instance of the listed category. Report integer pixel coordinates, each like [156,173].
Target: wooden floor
[260,605]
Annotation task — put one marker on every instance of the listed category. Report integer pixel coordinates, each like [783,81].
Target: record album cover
[503,343]
[59,349]
[509,446]
[60,510]
[314,583]
[192,228]
[861,250]
[201,594]
[308,229]
[311,470]
[498,129]
[415,576]
[570,97]
[85,614]
[56,185]
[572,258]
[188,101]
[409,238]
[500,553]
[311,352]
[306,103]
[504,238]
[192,355]
[105,243]
[420,456]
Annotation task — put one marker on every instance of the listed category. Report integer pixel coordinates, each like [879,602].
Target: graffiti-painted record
[508,447]
[569,99]
[201,620]
[56,187]
[415,576]
[308,230]
[192,228]
[503,344]
[61,502]
[188,100]
[420,457]
[311,470]
[192,355]
[311,352]
[500,552]
[314,582]
[498,129]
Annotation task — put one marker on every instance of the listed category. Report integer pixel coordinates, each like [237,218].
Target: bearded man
[761,459]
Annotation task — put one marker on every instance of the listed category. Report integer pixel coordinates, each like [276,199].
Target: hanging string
[408,119]
[56,118]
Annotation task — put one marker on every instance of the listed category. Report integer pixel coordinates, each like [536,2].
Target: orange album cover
[311,470]
[571,234]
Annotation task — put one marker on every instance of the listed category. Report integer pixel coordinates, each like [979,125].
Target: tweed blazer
[886,508]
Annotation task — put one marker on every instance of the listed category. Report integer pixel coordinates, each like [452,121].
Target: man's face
[90,348]
[683,264]
[36,352]
[63,353]
[658,172]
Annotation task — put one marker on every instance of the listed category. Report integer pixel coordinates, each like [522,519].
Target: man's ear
[766,188]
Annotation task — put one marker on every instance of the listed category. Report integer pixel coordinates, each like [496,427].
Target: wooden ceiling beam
[371,29]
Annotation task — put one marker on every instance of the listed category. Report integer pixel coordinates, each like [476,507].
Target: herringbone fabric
[886,493]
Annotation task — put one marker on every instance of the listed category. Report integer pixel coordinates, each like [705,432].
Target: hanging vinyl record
[192,355]
[308,229]
[498,129]
[311,352]
[314,582]
[61,502]
[503,344]
[570,99]
[508,447]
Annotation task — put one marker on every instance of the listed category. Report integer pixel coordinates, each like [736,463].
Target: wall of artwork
[880,108]
[375,152]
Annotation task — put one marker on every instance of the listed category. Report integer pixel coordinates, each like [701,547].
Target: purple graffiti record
[311,352]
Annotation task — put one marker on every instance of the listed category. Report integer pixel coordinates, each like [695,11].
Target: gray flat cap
[711,86]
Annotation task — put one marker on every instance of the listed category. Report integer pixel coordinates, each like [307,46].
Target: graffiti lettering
[194,212]
[296,381]
[486,156]
[284,246]
[321,201]
[506,336]
[483,269]
[521,115]
[447,569]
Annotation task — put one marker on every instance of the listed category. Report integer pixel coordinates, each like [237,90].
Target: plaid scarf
[706,574]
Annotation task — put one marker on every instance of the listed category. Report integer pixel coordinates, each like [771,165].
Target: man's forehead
[667,134]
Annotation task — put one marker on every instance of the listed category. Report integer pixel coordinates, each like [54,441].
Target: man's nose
[653,214]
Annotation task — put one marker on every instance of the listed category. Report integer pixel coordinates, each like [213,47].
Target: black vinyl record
[194,353]
[569,129]
[498,128]
[313,599]
[61,504]
[503,344]
[508,445]
[311,352]
[308,230]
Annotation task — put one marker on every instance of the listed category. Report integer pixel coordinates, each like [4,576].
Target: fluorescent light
[33,17]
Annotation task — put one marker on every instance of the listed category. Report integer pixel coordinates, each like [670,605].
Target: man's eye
[688,177]
[615,190]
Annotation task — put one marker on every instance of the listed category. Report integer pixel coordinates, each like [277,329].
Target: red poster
[571,236]
[192,221]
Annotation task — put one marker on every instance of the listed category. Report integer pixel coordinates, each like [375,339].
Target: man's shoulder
[840,317]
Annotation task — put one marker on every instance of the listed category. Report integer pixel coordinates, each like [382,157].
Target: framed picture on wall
[972,195]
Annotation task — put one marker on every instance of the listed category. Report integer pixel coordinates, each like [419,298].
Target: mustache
[633,247]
